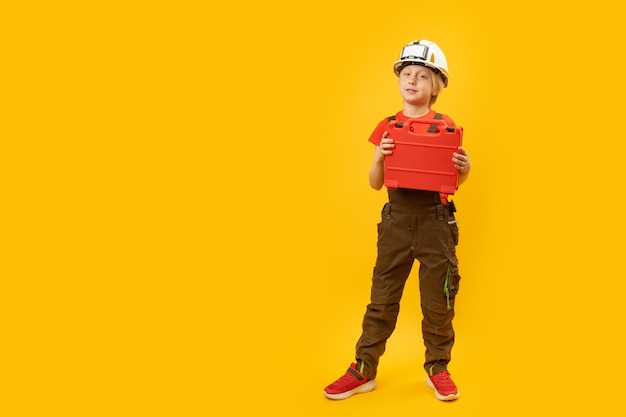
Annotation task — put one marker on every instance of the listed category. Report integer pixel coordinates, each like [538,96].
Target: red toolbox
[422,157]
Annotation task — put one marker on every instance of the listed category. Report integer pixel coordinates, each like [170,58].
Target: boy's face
[416,84]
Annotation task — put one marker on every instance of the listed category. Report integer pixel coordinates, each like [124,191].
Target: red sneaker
[445,390]
[352,382]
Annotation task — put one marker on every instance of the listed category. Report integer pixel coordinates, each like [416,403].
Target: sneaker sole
[450,397]
[367,387]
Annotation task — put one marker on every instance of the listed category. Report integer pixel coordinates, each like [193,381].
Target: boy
[415,224]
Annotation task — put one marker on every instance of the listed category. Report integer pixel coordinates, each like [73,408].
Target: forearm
[463,177]
[377,172]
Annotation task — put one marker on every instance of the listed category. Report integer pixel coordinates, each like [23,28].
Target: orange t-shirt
[382,127]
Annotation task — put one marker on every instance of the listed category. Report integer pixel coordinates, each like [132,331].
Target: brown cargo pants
[414,225]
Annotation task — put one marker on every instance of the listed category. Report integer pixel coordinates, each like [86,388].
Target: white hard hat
[425,53]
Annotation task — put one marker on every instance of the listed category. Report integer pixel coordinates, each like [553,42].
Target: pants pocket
[451,283]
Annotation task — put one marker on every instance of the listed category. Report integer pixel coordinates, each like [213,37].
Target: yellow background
[189,230]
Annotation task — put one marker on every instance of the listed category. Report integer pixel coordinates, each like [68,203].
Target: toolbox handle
[435,124]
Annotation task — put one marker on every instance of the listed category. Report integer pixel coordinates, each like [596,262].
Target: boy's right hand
[386,145]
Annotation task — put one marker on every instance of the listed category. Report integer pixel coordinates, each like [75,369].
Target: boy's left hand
[461,160]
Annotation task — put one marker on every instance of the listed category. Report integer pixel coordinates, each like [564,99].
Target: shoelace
[443,380]
[346,378]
